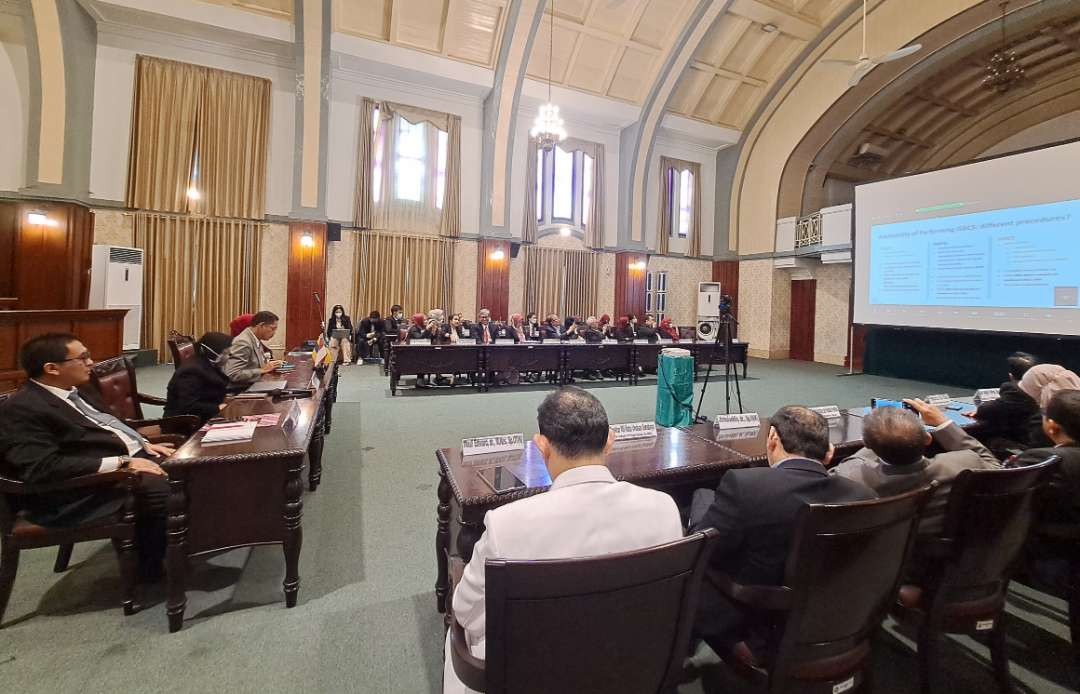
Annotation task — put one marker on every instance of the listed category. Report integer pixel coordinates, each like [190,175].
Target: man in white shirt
[585,513]
[50,431]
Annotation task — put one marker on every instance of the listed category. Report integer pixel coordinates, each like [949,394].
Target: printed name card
[735,434]
[634,430]
[938,399]
[492,444]
[641,341]
[610,341]
[827,411]
[504,340]
[665,341]
[737,421]
[986,395]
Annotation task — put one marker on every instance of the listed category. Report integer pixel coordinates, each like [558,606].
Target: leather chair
[614,623]
[182,348]
[114,381]
[963,574]
[842,572]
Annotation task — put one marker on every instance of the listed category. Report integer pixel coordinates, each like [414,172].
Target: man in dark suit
[755,510]
[484,331]
[1011,416]
[50,431]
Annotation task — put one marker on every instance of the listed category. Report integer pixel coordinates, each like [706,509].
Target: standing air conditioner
[708,300]
[116,281]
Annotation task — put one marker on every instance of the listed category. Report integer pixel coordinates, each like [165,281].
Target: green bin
[675,389]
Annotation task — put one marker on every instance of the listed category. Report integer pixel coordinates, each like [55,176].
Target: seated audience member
[570,329]
[199,386]
[516,329]
[1009,417]
[418,329]
[606,327]
[586,513]
[484,331]
[755,511]
[592,332]
[434,331]
[1034,383]
[50,432]
[340,321]
[369,336]
[625,332]
[532,327]
[395,322]
[893,460]
[240,323]
[648,330]
[552,328]
[668,330]
[246,359]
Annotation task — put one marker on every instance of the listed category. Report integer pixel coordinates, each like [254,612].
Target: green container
[675,391]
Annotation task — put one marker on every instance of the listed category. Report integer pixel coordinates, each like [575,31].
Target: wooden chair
[965,571]
[182,348]
[842,572]
[114,381]
[616,623]
[17,533]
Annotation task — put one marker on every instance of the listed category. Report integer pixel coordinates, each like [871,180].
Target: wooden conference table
[677,461]
[559,357]
[224,496]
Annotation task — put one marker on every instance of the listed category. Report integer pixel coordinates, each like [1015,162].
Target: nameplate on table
[465,332]
[609,341]
[827,411]
[986,395]
[634,430]
[735,434]
[641,341]
[938,400]
[664,341]
[492,444]
[737,421]
[504,340]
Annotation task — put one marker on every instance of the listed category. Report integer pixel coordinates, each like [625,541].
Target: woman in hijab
[606,327]
[416,329]
[1040,383]
[517,327]
[668,330]
[340,321]
[625,332]
[198,387]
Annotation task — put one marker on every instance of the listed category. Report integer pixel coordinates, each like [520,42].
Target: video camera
[725,304]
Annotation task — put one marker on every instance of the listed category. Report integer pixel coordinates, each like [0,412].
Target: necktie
[486,335]
[102,418]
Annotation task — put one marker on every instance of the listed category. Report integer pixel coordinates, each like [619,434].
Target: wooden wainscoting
[307,277]
[493,278]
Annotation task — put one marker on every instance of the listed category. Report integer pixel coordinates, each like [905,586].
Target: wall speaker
[333,231]
[514,248]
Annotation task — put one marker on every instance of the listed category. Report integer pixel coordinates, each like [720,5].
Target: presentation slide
[992,245]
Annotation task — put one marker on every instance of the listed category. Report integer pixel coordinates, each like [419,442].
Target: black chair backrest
[182,348]
[7,506]
[616,623]
[114,382]
[988,517]
[843,571]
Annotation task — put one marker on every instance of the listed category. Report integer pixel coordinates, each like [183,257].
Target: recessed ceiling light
[769,28]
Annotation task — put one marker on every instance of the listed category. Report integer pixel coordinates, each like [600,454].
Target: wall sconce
[39,218]
[307,241]
[497,254]
[639,265]
[193,193]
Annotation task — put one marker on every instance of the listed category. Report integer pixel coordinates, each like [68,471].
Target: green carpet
[365,621]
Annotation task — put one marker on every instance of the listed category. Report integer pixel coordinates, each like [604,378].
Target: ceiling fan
[865,63]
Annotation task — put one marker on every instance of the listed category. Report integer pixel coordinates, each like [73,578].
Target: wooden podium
[102,332]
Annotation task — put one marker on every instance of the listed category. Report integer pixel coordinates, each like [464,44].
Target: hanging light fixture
[1003,72]
[548,127]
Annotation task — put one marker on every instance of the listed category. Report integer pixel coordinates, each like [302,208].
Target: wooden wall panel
[726,272]
[61,246]
[857,347]
[803,304]
[307,277]
[493,278]
[629,284]
[101,331]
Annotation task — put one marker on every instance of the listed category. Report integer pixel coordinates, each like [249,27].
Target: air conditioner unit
[707,328]
[116,281]
[708,300]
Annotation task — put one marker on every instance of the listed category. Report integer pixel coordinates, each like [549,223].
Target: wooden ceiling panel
[367,18]
[472,29]
[282,9]
[660,22]
[563,48]
[721,39]
[776,57]
[572,10]
[741,105]
[716,98]
[616,16]
[592,63]
[747,49]
[419,24]
[689,90]
[633,76]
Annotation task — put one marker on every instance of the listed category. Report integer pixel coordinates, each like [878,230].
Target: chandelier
[548,127]
[1003,72]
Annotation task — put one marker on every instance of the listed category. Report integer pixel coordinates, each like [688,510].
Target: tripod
[724,333]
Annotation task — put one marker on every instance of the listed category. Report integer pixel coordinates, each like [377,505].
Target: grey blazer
[245,358]
[962,452]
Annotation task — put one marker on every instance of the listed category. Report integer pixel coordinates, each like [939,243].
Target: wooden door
[803,303]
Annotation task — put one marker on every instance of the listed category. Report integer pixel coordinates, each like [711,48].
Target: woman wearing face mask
[340,321]
[198,387]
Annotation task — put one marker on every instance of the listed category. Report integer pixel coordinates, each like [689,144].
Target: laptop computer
[266,386]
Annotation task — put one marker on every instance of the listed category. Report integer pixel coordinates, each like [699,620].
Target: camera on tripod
[725,305]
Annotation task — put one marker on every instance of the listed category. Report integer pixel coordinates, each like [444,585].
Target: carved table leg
[176,555]
[468,536]
[294,536]
[442,542]
[315,449]
[125,553]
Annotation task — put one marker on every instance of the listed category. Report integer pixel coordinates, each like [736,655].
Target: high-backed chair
[965,572]
[114,381]
[182,348]
[615,623]
[842,572]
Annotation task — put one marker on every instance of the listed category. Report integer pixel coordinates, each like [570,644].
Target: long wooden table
[677,461]
[558,357]
[224,496]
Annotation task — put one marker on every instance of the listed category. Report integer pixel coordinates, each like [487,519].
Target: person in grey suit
[893,459]
[245,362]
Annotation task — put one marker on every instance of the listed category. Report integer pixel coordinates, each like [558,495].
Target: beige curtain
[163,128]
[198,274]
[450,224]
[670,168]
[528,224]
[414,271]
[561,281]
[594,223]
[364,192]
[231,146]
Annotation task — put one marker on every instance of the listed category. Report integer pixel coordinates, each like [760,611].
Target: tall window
[656,294]
[409,164]
[564,187]
[417,163]
[681,185]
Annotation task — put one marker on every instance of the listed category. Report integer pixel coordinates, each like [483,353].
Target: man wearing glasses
[50,431]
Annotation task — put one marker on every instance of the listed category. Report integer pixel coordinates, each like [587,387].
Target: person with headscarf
[1040,383]
[606,327]
[199,386]
[668,330]
[625,331]
[592,332]
[417,328]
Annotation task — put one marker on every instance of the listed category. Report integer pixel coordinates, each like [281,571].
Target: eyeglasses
[84,357]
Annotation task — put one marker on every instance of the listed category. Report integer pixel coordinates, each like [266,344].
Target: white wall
[1064,127]
[706,156]
[14,106]
[113,87]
